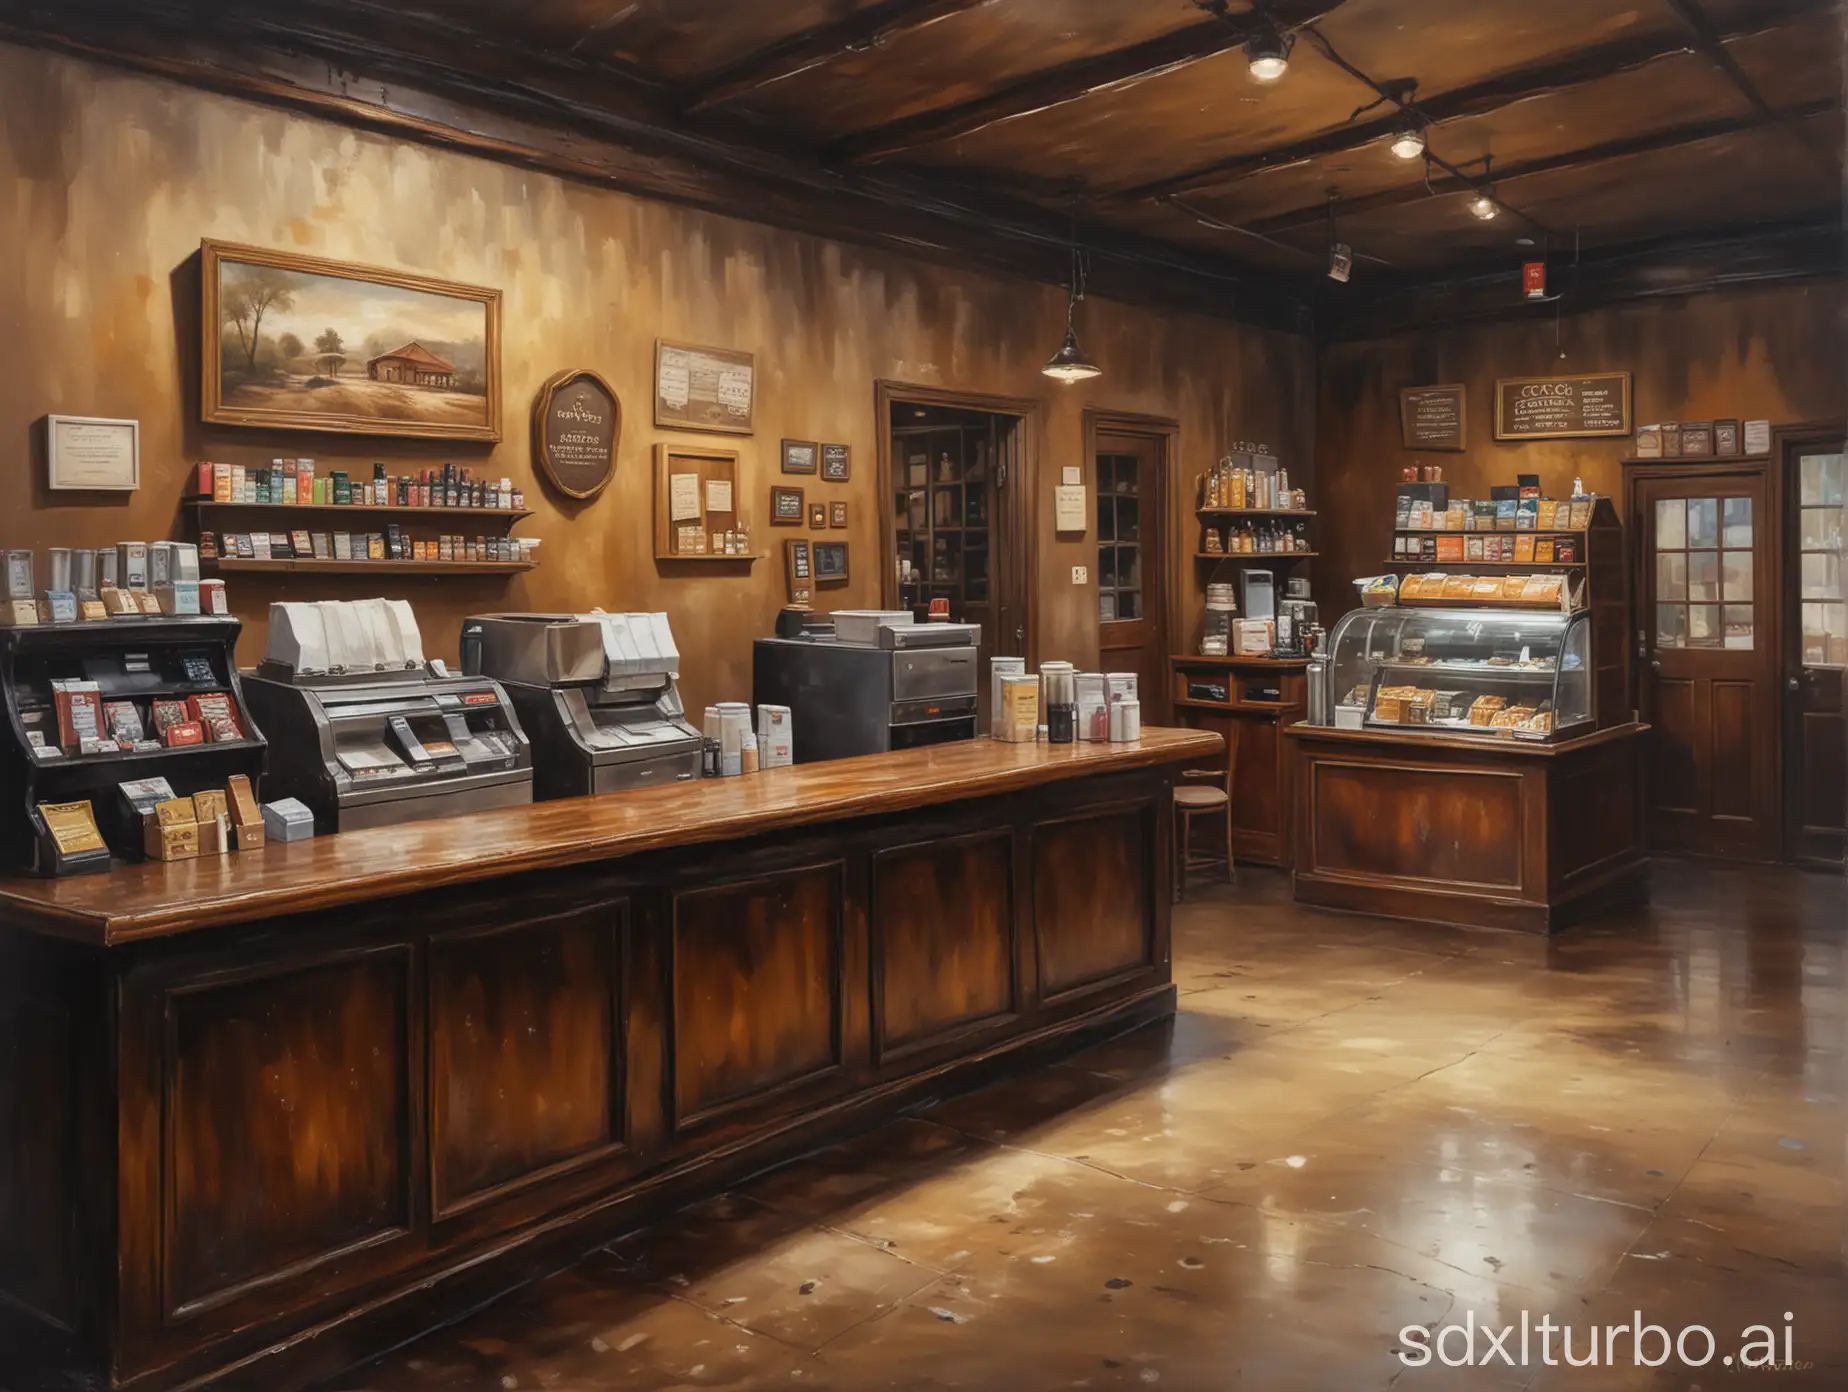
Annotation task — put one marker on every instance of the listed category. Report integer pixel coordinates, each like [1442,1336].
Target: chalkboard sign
[1432,418]
[1557,408]
[576,424]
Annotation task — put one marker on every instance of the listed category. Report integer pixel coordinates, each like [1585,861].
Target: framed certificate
[86,452]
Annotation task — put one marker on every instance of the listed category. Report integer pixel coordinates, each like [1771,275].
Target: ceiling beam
[810,48]
[1070,82]
[1614,59]
[551,118]
[1651,143]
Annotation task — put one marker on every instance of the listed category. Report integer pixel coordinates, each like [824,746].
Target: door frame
[1017,521]
[1785,439]
[1766,469]
[1165,432]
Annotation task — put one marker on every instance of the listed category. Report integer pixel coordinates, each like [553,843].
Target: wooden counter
[1488,832]
[271,1112]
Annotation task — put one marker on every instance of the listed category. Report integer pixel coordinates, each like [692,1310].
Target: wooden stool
[1191,802]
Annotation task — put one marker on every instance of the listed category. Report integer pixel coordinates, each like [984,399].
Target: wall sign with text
[1433,418]
[577,423]
[1558,408]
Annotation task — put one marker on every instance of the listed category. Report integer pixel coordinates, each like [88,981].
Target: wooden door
[1815,655]
[1130,565]
[1706,618]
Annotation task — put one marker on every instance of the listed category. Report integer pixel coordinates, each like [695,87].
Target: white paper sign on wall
[1071,507]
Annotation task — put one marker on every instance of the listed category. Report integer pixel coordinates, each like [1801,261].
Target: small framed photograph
[837,514]
[785,507]
[830,562]
[799,456]
[89,452]
[818,516]
[836,463]
[1726,438]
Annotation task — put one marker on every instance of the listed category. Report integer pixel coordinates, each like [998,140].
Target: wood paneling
[38,1105]
[757,988]
[525,1061]
[1494,834]
[942,919]
[287,1124]
[1092,879]
[1774,354]
[1455,826]
[160,897]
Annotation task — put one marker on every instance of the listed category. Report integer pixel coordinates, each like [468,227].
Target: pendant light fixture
[1483,205]
[1070,364]
[1268,52]
[1409,143]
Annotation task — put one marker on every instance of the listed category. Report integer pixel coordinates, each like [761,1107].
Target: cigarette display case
[1494,673]
[93,705]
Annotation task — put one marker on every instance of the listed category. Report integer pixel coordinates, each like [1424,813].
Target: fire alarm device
[1533,279]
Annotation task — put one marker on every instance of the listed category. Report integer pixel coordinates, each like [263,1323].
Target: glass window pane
[1822,575]
[1703,625]
[1671,625]
[1825,634]
[1106,607]
[1736,576]
[1704,575]
[1671,575]
[1820,480]
[1822,528]
[1671,524]
[1738,514]
[1106,519]
[1129,605]
[1738,619]
[1703,521]
[1129,566]
[1129,519]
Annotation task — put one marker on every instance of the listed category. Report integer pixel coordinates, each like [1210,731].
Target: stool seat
[1201,799]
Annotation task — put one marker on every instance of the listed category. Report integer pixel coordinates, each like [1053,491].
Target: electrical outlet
[1081,575]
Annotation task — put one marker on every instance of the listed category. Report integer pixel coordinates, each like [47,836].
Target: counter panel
[292,1139]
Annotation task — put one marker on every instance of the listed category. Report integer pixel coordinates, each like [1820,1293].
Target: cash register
[368,733]
[595,693]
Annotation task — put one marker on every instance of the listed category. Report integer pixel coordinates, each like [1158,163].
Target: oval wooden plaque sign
[577,422]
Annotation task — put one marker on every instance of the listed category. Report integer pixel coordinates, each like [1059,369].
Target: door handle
[1655,665]
[1793,683]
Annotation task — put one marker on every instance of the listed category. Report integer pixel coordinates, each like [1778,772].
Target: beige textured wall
[109,180]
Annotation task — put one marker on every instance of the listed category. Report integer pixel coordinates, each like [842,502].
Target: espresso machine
[1296,618]
[596,694]
[874,681]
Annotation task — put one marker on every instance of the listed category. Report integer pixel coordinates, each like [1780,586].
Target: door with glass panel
[1129,564]
[1709,673]
[1815,654]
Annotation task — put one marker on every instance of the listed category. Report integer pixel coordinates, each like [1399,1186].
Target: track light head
[1268,54]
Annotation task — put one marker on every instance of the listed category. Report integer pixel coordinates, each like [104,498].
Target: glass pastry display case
[1494,673]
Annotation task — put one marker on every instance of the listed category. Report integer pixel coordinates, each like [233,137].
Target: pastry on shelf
[1485,708]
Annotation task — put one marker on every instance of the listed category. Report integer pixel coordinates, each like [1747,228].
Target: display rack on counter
[1595,568]
[1250,515]
[98,709]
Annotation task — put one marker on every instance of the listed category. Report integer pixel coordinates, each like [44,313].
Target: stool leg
[1180,854]
[1231,868]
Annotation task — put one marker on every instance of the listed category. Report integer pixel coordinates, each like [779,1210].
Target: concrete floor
[1351,1127]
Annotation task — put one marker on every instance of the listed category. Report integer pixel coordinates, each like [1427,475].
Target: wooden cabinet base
[255,1152]
[1486,834]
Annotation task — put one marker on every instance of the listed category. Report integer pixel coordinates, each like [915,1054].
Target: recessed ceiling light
[1523,241]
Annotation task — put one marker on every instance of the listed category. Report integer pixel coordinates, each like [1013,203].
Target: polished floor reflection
[1352,1126]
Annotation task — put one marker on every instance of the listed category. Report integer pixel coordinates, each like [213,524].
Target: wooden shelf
[1489,531]
[1491,565]
[1254,512]
[331,567]
[1284,664]
[363,509]
[709,556]
[1255,556]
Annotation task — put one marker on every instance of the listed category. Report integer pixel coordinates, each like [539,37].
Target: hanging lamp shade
[1069,364]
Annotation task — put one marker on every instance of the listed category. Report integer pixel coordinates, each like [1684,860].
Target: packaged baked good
[1485,587]
[1513,587]
[1541,589]
[1457,586]
[1449,705]
[1542,721]
[1485,708]
[1512,718]
[1418,708]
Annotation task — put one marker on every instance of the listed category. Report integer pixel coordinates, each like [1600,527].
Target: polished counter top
[155,898]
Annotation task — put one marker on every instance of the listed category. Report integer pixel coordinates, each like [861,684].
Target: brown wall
[1774,354]
[108,181]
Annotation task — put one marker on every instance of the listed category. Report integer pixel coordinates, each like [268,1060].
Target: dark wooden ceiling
[982,126]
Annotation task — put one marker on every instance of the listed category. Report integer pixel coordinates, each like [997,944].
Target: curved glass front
[1496,673]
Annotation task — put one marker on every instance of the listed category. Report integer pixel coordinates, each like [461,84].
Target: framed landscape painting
[296,342]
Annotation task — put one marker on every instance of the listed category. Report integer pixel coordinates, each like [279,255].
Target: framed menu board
[1558,408]
[704,388]
[1433,418]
